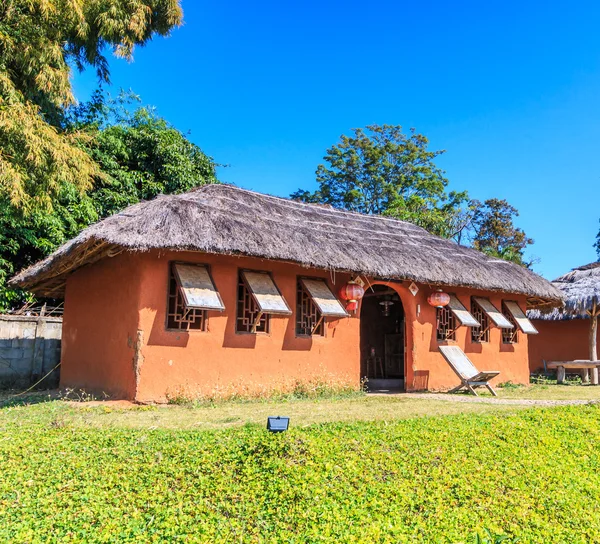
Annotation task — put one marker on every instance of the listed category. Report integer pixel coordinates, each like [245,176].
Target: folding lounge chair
[469,376]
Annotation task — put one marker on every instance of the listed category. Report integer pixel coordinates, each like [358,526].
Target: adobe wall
[115,337]
[100,327]
[559,341]
[188,363]
[426,369]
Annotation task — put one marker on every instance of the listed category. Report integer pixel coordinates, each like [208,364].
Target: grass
[42,408]
[355,469]
[235,414]
[550,391]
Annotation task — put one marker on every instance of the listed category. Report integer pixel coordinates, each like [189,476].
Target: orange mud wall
[426,368]
[115,338]
[100,327]
[187,364]
[559,341]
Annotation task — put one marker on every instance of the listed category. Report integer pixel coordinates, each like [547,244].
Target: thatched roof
[581,291]
[227,220]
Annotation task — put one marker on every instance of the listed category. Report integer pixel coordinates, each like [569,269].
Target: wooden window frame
[509,336]
[480,335]
[202,315]
[515,321]
[447,334]
[241,283]
[302,295]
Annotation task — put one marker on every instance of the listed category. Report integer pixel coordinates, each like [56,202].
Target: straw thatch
[227,220]
[581,292]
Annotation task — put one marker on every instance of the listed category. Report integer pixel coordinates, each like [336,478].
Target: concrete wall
[29,348]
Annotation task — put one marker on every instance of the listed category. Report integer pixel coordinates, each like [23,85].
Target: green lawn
[361,469]
[551,392]
[236,414]
[304,412]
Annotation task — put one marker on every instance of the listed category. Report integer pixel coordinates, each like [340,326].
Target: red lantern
[439,299]
[352,292]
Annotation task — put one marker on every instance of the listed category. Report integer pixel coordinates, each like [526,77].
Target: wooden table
[579,364]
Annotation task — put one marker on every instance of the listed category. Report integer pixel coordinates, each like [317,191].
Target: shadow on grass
[15,398]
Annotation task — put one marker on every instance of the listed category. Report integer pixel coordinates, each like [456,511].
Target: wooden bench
[579,364]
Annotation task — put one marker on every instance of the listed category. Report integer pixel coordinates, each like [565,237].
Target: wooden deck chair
[469,376]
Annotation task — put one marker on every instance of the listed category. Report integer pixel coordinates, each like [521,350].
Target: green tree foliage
[381,170]
[371,169]
[39,42]
[28,236]
[140,156]
[496,234]
[139,153]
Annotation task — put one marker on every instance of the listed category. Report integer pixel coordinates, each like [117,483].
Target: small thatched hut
[569,333]
[227,289]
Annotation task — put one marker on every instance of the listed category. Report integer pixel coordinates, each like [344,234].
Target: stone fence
[29,349]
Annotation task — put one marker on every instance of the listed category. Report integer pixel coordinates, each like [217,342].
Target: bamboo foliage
[35,157]
[40,42]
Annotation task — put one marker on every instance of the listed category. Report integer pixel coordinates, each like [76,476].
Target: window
[461,313]
[314,303]
[509,336]
[495,316]
[249,317]
[518,317]
[258,298]
[482,333]
[309,320]
[446,324]
[180,317]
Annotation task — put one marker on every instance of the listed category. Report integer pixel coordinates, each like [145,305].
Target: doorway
[382,339]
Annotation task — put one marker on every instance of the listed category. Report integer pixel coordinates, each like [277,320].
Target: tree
[139,155]
[597,245]
[450,216]
[39,42]
[495,234]
[381,170]
[26,237]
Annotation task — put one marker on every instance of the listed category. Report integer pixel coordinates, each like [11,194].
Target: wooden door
[394,355]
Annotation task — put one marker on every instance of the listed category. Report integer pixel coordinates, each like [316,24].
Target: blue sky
[510,90]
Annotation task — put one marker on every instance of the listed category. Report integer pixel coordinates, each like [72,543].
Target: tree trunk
[593,337]
[593,342]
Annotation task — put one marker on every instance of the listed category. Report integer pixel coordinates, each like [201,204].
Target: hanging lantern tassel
[351,293]
[439,299]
